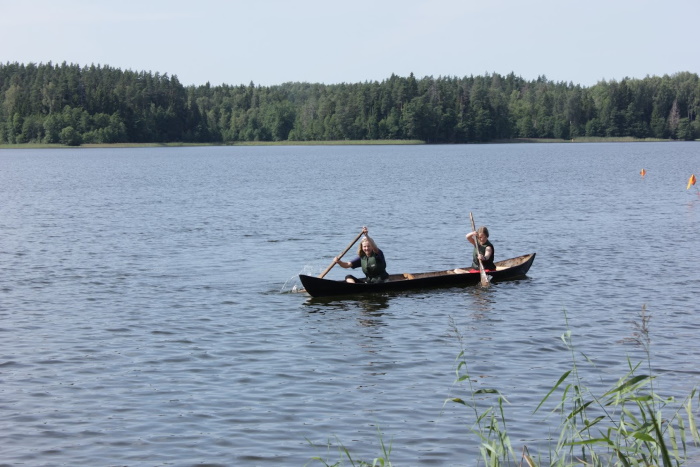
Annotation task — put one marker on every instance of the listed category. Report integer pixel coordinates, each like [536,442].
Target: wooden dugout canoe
[508,269]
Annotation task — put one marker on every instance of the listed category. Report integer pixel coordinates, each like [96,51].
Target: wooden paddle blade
[484,279]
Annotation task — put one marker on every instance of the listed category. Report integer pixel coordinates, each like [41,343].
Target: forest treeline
[73,105]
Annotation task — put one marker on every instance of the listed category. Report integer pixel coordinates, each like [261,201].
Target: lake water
[147,314]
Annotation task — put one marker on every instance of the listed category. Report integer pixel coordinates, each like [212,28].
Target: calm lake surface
[147,314]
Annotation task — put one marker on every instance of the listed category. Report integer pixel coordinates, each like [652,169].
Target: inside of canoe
[500,266]
[509,263]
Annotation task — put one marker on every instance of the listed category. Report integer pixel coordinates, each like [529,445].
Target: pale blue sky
[324,41]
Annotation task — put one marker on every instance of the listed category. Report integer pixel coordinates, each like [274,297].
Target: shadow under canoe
[508,269]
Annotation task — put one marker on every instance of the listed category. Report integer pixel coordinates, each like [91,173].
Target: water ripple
[145,319]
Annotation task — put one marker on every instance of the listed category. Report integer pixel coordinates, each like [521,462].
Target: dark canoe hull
[509,269]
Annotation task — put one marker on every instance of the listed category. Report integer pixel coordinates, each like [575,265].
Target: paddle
[484,278]
[341,255]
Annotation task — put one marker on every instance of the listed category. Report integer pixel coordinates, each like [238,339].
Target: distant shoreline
[627,139]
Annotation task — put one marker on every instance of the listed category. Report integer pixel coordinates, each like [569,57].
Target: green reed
[624,426]
[630,424]
[344,453]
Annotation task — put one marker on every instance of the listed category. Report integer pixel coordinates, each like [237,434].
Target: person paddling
[370,258]
[485,251]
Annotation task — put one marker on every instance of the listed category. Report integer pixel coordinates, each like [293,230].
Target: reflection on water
[481,301]
[369,303]
[369,307]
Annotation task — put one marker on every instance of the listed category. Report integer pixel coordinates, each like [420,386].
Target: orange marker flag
[691,181]
[643,173]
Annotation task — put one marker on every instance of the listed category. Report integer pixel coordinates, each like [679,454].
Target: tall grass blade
[628,386]
[561,380]
[691,419]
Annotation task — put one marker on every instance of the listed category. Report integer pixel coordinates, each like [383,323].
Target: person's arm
[487,254]
[470,237]
[342,264]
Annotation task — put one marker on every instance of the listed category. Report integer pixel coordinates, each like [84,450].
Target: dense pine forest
[73,105]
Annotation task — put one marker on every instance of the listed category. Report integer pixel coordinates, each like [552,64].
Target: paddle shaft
[484,278]
[340,256]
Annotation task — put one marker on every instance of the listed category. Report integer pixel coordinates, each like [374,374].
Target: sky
[269,42]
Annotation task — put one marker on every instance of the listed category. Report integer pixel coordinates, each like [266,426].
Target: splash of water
[293,285]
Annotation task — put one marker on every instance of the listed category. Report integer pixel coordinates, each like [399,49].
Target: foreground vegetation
[73,105]
[630,424]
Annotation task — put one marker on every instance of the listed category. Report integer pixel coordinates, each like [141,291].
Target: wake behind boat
[508,269]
